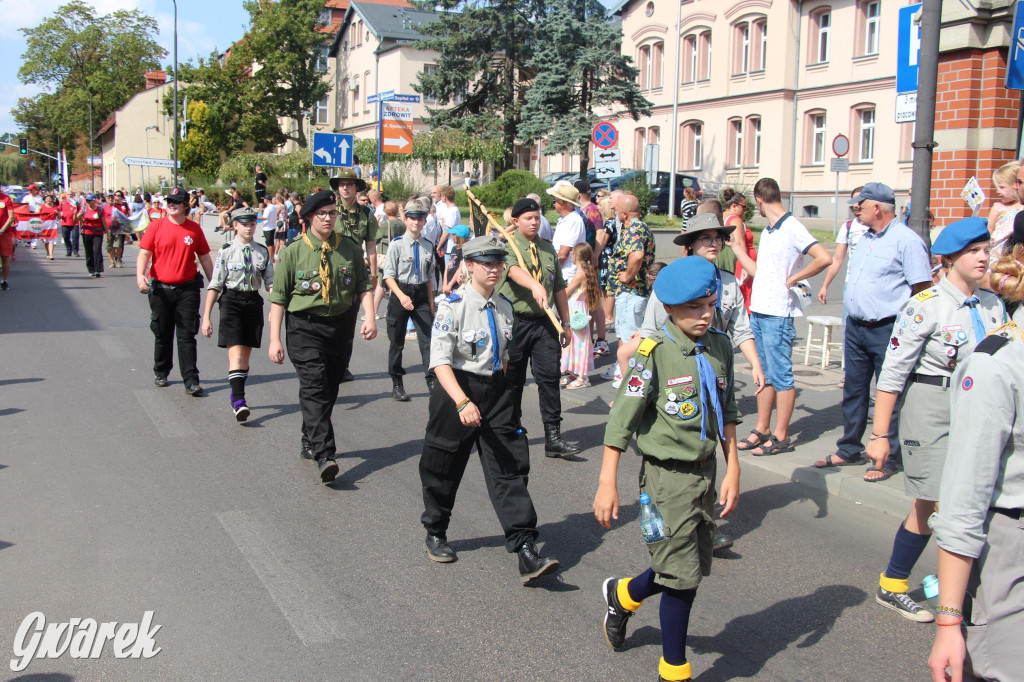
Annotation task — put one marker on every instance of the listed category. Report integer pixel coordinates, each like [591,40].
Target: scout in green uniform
[677,397]
[318,283]
[532,286]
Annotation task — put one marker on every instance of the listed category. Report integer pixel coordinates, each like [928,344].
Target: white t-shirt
[449,216]
[378,212]
[570,230]
[545,229]
[779,257]
[849,234]
[270,217]
[34,202]
[432,229]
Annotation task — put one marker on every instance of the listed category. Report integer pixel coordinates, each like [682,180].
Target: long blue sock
[675,621]
[907,548]
[643,586]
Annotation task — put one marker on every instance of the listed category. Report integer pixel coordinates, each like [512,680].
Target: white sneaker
[612,373]
[617,383]
[601,348]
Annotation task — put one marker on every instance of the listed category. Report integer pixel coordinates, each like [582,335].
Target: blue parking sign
[1015,56]
[908,50]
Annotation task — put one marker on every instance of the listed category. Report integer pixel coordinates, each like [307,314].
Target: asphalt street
[117,497]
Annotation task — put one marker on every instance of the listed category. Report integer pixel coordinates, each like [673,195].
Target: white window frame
[737,142]
[764,44]
[744,36]
[756,151]
[818,127]
[872,26]
[824,42]
[698,145]
[694,57]
[321,110]
[867,134]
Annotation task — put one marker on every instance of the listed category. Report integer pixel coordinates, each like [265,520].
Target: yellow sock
[897,585]
[674,673]
[622,590]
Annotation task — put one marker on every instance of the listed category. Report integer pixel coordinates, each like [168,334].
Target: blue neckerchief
[772,228]
[979,326]
[708,388]
[416,260]
[495,353]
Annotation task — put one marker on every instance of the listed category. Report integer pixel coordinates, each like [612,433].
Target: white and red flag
[42,225]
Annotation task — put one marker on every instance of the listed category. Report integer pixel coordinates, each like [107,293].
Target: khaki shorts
[924,432]
[684,493]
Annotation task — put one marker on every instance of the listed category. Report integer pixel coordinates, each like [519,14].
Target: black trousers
[70,235]
[174,312]
[398,319]
[505,458]
[316,346]
[536,341]
[93,244]
[349,318]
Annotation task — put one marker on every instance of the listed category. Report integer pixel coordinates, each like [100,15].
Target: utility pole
[177,130]
[927,83]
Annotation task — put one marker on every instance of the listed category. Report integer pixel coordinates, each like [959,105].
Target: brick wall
[970,96]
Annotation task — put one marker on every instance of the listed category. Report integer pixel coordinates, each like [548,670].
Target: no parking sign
[605,135]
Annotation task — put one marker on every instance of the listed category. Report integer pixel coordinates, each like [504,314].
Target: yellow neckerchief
[534,269]
[325,270]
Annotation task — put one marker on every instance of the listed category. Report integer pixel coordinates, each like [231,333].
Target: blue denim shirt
[883,269]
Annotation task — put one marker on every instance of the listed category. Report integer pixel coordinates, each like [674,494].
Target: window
[654,135]
[691,141]
[643,60]
[324,18]
[866,122]
[821,32]
[343,100]
[761,40]
[872,24]
[698,149]
[427,70]
[754,140]
[320,111]
[689,59]
[705,55]
[366,90]
[639,140]
[321,58]
[751,46]
[649,9]
[815,139]
[359,33]
[354,93]
[657,52]
[735,151]
[741,60]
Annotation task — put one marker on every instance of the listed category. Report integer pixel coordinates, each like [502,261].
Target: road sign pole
[380,140]
[928,76]
[835,221]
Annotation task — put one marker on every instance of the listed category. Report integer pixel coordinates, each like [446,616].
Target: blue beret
[959,235]
[685,280]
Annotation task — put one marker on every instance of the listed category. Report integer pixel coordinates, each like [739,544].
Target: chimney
[155,78]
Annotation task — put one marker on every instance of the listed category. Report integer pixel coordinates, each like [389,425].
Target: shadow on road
[373,461]
[43,677]
[38,303]
[577,535]
[27,380]
[756,504]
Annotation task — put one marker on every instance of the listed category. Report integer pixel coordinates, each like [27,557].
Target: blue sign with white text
[1015,56]
[908,50]
[331,149]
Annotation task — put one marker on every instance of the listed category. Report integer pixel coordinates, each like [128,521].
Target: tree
[287,50]
[579,70]
[198,153]
[483,52]
[12,168]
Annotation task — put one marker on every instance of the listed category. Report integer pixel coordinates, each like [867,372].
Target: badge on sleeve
[967,384]
[679,380]
[688,409]
[639,367]
[894,345]
[721,383]
[646,375]
[671,397]
[635,387]
[315,286]
[632,363]
[672,407]
[300,274]
[305,285]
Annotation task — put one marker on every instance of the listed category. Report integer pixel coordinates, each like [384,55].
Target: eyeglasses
[709,239]
[326,215]
[491,265]
[346,183]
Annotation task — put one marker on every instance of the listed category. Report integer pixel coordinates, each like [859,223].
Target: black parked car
[659,198]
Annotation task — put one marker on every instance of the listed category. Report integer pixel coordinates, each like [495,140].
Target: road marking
[165,417]
[113,347]
[297,591]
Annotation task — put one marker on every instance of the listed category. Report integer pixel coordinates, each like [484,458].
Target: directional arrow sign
[330,149]
[396,122]
[607,155]
[607,170]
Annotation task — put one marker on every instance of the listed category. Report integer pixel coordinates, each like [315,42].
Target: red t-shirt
[67,213]
[6,207]
[157,213]
[174,249]
[91,221]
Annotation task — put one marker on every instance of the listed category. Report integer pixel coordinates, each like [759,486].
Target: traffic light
[23,142]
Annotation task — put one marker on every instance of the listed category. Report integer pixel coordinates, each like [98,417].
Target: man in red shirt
[69,218]
[7,222]
[168,251]
[92,235]
[115,235]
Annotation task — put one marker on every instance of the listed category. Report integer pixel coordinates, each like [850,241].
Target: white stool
[827,323]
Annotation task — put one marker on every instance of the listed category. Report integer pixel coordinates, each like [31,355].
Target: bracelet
[949,625]
[462,405]
[875,436]
[949,611]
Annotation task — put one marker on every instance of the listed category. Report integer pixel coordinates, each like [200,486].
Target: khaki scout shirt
[546,270]
[298,286]
[357,223]
[933,332]
[399,266]
[659,399]
[462,332]
[233,271]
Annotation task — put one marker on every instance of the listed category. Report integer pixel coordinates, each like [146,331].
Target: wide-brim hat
[348,174]
[565,192]
[702,222]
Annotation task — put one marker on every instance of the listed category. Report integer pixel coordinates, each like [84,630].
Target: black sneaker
[347,376]
[532,564]
[721,542]
[306,450]
[328,469]
[439,550]
[194,390]
[160,380]
[901,603]
[615,617]
[4,286]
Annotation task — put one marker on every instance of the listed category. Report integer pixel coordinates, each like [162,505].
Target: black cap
[314,202]
[582,186]
[524,206]
[177,195]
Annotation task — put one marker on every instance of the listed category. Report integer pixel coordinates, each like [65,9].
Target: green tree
[198,153]
[579,70]
[12,168]
[289,51]
[483,51]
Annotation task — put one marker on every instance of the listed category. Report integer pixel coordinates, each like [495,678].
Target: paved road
[117,497]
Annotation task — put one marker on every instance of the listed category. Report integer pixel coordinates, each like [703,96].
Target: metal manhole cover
[806,373]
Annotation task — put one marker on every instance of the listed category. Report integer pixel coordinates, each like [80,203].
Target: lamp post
[92,167]
[176,129]
[148,128]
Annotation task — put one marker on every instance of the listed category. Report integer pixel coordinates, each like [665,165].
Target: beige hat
[565,192]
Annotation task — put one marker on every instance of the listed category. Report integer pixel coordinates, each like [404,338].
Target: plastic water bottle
[651,525]
[930,585]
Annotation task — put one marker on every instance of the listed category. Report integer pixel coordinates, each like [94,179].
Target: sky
[203,25]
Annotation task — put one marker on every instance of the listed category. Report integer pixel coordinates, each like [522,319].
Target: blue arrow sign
[332,150]
[1015,56]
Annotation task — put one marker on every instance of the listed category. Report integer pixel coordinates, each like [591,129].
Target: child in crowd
[455,274]
[1000,218]
[584,294]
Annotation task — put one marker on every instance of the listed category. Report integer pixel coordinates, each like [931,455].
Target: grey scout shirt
[399,262]
[462,336]
[933,332]
[236,270]
[731,318]
[985,464]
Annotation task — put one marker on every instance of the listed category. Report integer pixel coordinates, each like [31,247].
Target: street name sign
[142,161]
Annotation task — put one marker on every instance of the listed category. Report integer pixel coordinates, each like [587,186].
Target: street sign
[607,156]
[139,161]
[908,49]
[605,135]
[906,107]
[415,99]
[396,128]
[386,95]
[1015,57]
[841,145]
[332,150]
[98,161]
[840,165]
[606,170]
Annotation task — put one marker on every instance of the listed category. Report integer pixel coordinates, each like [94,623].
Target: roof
[386,22]
[343,4]
[107,125]
[617,6]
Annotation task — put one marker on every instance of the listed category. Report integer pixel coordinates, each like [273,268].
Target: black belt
[245,295]
[313,317]
[871,324]
[196,283]
[1012,513]
[405,286]
[931,380]
[681,466]
[482,378]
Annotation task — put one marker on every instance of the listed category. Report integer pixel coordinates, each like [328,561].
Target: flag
[42,225]
[139,220]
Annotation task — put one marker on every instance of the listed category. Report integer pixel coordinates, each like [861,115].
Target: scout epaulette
[926,294]
[717,331]
[646,346]
[990,344]
[453,297]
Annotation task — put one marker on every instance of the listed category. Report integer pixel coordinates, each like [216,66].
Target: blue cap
[90,197]
[685,280]
[458,231]
[875,191]
[959,235]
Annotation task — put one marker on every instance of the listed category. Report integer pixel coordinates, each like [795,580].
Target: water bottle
[930,585]
[651,525]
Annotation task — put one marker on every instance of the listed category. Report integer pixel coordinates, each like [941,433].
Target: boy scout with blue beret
[677,397]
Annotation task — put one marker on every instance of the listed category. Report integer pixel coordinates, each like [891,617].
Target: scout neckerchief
[495,353]
[325,269]
[247,267]
[349,218]
[708,387]
[979,326]
[534,266]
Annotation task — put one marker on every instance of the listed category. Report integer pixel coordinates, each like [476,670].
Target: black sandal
[774,446]
[747,444]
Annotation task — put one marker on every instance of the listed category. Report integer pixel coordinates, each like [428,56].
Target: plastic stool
[826,322]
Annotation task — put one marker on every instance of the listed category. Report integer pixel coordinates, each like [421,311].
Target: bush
[398,185]
[638,186]
[512,186]
[293,171]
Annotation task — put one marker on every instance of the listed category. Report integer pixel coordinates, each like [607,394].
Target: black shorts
[241,319]
[268,236]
